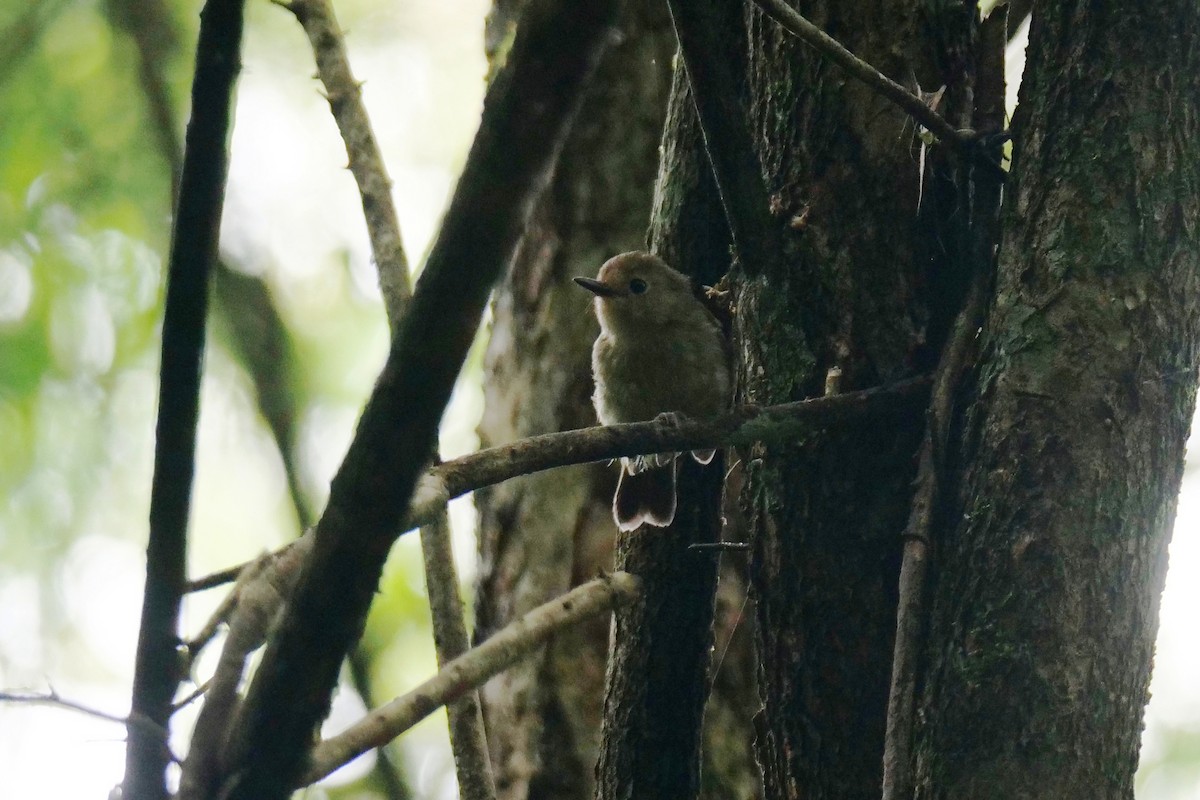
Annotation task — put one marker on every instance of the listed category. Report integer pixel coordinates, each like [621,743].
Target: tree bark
[544,533]
[868,283]
[1047,582]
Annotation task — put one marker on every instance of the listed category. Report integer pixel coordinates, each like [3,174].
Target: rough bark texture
[862,286]
[544,533]
[657,680]
[1045,603]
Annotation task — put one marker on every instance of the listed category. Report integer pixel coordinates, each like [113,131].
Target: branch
[770,424]
[53,698]
[505,648]
[829,47]
[258,334]
[366,162]
[735,166]
[193,250]
[467,739]
[260,591]
[450,634]
[526,114]
[149,24]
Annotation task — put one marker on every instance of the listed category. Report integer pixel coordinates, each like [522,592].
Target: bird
[660,351]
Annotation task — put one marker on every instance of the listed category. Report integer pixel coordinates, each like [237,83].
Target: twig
[779,423]
[366,162]
[53,698]
[829,47]
[193,251]
[467,739]
[156,40]
[526,114]
[260,592]
[502,650]
[259,337]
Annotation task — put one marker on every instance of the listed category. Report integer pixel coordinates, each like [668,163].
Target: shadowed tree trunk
[861,287]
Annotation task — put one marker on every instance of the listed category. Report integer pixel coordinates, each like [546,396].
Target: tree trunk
[542,534]
[867,284]
[1048,577]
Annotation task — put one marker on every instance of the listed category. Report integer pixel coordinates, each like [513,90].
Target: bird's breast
[675,371]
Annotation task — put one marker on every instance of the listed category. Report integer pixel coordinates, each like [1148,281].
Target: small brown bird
[659,351]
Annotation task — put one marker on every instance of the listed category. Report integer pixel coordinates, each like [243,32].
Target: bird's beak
[598,288]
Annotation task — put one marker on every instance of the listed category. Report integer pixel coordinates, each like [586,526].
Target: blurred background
[93,102]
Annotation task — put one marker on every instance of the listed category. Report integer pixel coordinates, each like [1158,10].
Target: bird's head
[638,290]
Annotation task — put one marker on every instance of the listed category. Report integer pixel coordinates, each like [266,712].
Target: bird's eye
[637,286]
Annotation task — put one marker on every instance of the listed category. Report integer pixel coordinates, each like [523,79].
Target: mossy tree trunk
[872,270]
[1049,574]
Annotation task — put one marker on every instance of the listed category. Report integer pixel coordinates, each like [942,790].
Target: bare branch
[52,698]
[193,251]
[469,671]
[366,162]
[258,595]
[832,49]
[467,739]
[781,423]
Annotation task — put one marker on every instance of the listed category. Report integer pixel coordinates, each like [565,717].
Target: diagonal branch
[502,650]
[781,423]
[468,741]
[366,162]
[831,48]
[735,166]
[526,114]
[467,738]
[193,251]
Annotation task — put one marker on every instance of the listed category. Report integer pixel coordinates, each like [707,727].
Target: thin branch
[258,333]
[52,698]
[260,592]
[366,162]
[526,114]
[149,24]
[193,251]
[467,739]
[469,671]
[780,423]
[826,45]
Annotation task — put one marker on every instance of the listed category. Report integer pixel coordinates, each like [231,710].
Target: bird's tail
[645,496]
